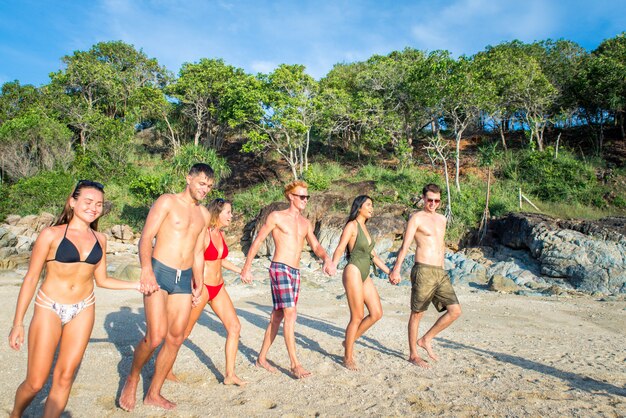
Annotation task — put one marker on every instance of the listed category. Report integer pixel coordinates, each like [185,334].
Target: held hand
[16,337]
[147,282]
[329,268]
[246,276]
[394,277]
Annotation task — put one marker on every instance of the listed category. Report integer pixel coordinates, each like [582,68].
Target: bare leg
[353,285]
[74,340]
[43,336]
[178,309]
[414,322]
[452,314]
[196,311]
[290,341]
[225,311]
[375,309]
[276,318]
[155,309]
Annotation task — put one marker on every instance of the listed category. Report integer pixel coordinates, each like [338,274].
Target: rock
[114,247]
[122,232]
[19,261]
[6,252]
[12,219]
[7,238]
[44,220]
[24,244]
[499,283]
[129,272]
[589,255]
[464,270]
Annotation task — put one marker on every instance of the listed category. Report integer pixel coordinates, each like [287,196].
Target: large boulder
[7,238]
[589,255]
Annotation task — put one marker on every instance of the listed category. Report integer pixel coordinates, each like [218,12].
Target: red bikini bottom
[213,290]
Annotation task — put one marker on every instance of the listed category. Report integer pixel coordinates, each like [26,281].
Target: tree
[16,99]
[218,99]
[290,110]
[521,88]
[103,81]
[465,95]
[34,142]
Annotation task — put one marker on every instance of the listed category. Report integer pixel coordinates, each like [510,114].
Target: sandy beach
[508,355]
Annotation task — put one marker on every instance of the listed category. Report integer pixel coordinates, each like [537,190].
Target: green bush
[619,202]
[44,192]
[189,154]
[562,179]
[147,187]
[250,201]
[321,176]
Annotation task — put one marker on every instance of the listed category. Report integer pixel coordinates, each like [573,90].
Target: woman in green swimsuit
[360,289]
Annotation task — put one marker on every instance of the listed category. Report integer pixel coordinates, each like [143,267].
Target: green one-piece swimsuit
[361,254]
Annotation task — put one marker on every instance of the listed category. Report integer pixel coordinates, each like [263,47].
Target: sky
[258,35]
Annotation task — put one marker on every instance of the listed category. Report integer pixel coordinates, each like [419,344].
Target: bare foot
[172,377]
[234,380]
[128,398]
[300,372]
[350,364]
[158,401]
[425,344]
[266,365]
[418,361]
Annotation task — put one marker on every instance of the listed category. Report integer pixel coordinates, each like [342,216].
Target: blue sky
[259,35]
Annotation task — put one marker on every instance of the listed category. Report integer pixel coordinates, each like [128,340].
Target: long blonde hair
[216,207]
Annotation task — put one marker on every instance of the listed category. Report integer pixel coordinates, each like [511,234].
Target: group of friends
[182,251]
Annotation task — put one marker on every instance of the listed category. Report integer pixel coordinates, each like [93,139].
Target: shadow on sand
[583,383]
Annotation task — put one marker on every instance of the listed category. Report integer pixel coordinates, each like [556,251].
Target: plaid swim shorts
[285,281]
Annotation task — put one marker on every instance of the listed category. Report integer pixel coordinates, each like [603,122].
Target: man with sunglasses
[429,281]
[289,230]
[177,222]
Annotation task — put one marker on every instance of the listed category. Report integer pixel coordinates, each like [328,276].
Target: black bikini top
[68,253]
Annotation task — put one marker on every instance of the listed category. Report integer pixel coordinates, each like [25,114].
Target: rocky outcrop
[18,235]
[589,255]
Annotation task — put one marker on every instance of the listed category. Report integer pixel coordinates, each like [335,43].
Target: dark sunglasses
[88,183]
[433,200]
[302,196]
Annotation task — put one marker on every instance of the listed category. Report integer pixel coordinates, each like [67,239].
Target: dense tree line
[88,114]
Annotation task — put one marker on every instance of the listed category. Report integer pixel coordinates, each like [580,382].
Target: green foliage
[562,179]
[147,188]
[250,201]
[619,202]
[406,183]
[34,142]
[189,155]
[44,192]
[321,176]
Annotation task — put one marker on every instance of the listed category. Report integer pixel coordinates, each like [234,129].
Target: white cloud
[467,26]
[263,66]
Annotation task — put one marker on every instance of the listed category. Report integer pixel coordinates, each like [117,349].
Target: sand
[507,355]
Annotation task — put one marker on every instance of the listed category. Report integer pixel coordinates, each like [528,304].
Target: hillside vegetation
[545,118]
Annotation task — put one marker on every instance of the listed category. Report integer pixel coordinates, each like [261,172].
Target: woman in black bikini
[360,290]
[73,254]
[215,293]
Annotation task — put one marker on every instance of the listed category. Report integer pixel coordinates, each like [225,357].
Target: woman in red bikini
[73,254]
[215,293]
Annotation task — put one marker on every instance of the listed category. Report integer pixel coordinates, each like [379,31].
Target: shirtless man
[178,222]
[430,282]
[289,230]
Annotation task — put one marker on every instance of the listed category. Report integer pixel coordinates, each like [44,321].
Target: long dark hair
[68,213]
[356,206]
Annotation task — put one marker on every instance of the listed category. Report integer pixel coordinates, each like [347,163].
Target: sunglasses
[302,196]
[88,183]
[433,200]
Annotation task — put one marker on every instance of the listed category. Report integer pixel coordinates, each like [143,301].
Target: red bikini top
[211,254]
